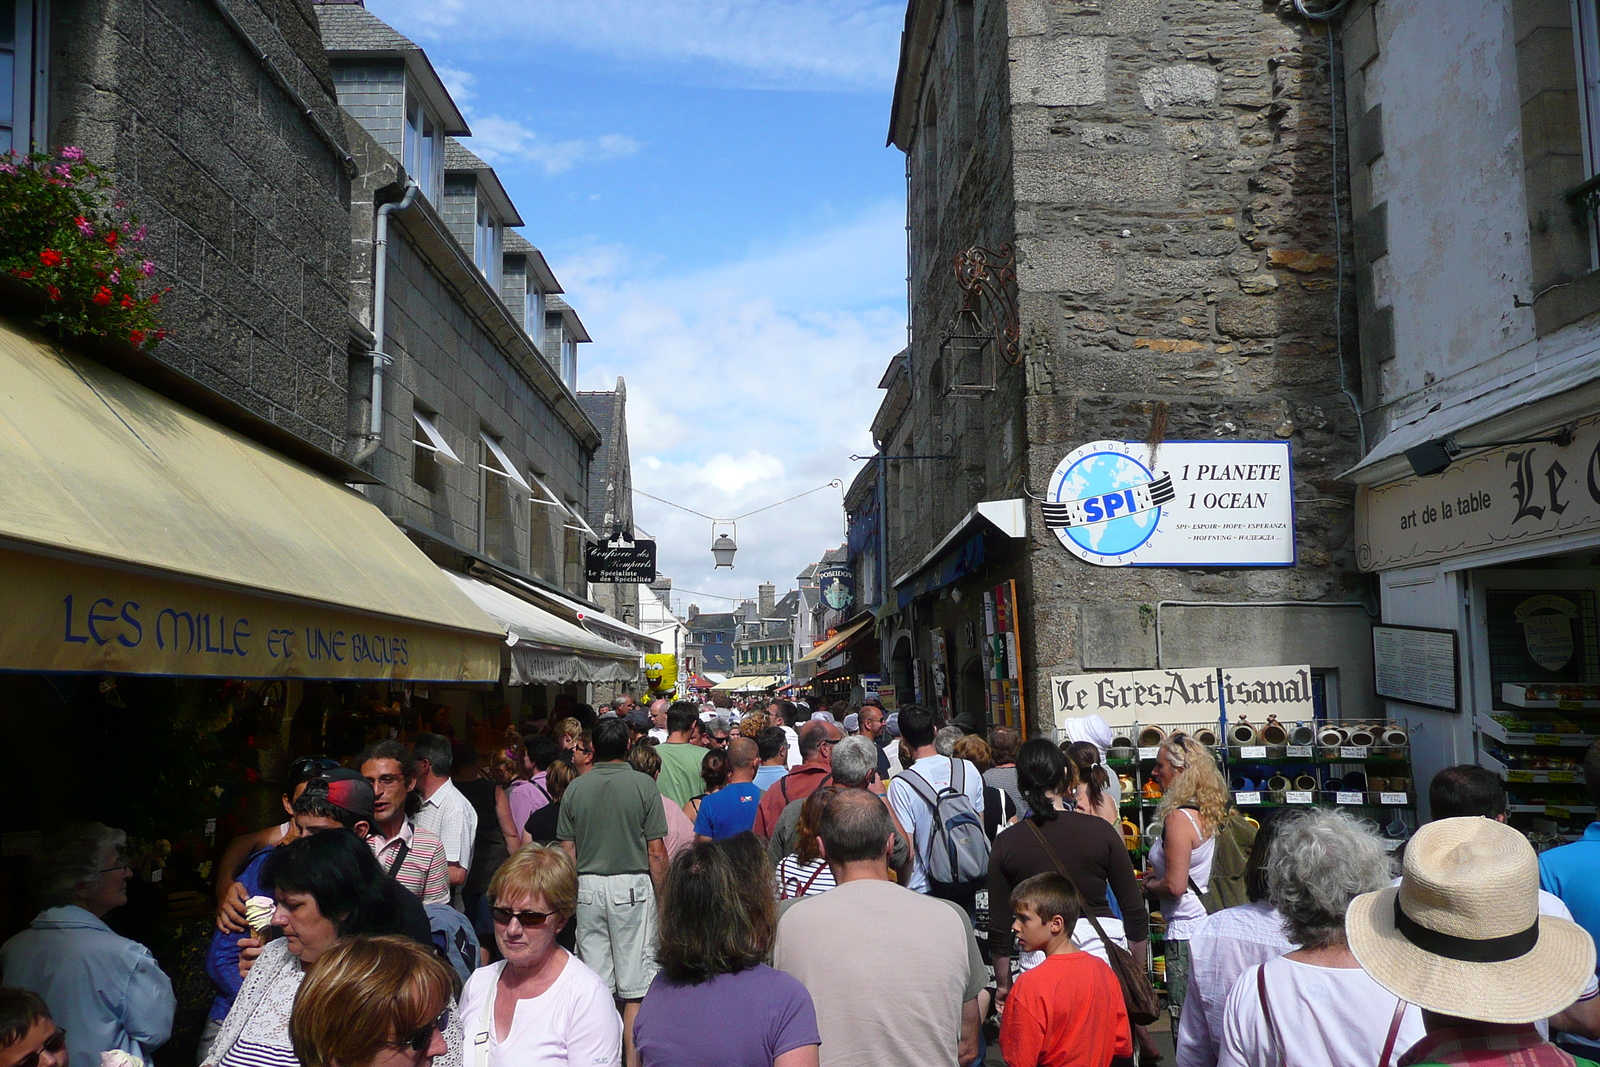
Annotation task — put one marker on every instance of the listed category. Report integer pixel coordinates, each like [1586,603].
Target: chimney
[694,609]
[768,594]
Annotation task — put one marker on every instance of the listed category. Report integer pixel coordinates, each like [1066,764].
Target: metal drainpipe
[1160,658]
[380,280]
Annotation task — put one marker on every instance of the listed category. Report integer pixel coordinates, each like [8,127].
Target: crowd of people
[776,886]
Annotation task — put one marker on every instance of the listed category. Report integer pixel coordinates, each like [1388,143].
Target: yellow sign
[80,616]
[661,671]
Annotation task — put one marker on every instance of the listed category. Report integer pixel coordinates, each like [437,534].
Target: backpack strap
[924,789]
[1394,1032]
[1266,1012]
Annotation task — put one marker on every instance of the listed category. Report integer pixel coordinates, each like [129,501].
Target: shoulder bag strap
[1061,868]
[481,1040]
[399,858]
[1266,1012]
[1394,1032]
[818,873]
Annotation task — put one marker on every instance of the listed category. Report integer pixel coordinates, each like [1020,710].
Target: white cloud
[790,43]
[748,383]
[457,82]
[499,140]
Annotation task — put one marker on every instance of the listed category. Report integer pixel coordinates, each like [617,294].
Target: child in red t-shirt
[1068,1011]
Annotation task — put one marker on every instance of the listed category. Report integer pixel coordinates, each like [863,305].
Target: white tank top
[1184,913]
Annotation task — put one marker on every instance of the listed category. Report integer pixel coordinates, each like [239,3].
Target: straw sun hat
[1462,934]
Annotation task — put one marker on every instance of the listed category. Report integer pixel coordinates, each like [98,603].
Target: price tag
[1569,705]
[1546,739]
[1557,813]
[1352,751]
[1563,776]
[211,827]
[1149,753]
[1350,798]
[1519,776]
[1253,752]
[1394,798]
[1298,752]
[155,875]
[1297,796]
[1247,798]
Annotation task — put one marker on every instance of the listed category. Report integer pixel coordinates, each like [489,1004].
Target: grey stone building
[244,190]
[611,490]
[1164,172]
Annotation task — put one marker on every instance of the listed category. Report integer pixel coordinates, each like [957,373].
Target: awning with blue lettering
[138,537]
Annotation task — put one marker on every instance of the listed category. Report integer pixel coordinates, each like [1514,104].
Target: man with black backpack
[939,800]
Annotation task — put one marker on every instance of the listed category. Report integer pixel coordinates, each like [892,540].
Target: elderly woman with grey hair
[853,765]
[106,991]
[1316,1004]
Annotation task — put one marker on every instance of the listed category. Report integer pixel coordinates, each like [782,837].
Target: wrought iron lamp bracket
[989,276]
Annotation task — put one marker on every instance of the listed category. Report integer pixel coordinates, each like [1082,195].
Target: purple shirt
[526,797]
[730,810]
[688,1025]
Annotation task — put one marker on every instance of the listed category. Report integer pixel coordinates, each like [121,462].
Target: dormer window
[486,245]
[569,362]
[424,150]
[533,312]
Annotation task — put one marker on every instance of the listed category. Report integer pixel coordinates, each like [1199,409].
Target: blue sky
[708,179]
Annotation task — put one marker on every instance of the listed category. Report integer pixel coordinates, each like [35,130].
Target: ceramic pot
[1151,736]
[1241,784]
[1332,737]
[1363,737]
[1206,736]
[1394,737]
[1302,734]
[1273,733]
[1305,782]
[1242,733]
[1278,783]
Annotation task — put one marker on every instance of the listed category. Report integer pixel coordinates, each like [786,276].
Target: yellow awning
[138,537]
[826,648]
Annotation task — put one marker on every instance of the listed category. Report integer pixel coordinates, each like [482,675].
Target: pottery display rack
[1364,765]
[1536,745]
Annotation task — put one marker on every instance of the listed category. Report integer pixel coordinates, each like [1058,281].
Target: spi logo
[1104,503]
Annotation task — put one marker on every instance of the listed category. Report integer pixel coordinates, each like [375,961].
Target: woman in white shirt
[1316,1004]
[1194,800]
[540,1006]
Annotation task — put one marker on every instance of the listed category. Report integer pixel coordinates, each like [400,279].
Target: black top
[488,846]
[541,825]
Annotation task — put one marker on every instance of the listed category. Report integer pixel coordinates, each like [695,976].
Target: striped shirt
[422,870]
[259,1054]
[796,879]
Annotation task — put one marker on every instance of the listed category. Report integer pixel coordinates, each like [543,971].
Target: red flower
[21,272]
[155,298]
[102,296]
[127,301]
[50,257]
[111,238]
[136,336]
[161,335]
[55,294]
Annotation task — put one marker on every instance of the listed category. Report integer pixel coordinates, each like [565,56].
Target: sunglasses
[503,916]
[52,1044]
[419,1041]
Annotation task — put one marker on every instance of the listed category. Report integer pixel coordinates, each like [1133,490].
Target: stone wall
[1165,170]
[246,207]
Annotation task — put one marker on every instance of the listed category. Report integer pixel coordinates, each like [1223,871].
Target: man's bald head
[743,753]
[815,735]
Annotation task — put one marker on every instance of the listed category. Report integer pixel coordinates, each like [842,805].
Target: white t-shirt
[1184,913]
[1324,1015]
[1221,947]
[570,1024]
[794,745]
[917,816]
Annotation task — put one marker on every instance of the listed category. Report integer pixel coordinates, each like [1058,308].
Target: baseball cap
[346,789]
[639,718]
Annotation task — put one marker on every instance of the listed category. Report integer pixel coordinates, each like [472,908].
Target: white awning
[548,649]
[435,441]
[611,628]
[1010,517]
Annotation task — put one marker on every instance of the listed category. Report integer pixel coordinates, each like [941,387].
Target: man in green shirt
[680,779]
[613,826]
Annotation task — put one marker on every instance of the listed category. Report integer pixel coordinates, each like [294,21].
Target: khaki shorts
[617,931]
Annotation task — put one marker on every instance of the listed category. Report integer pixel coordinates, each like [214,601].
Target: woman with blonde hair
[373,1002]
[1194,801]
[540,1005]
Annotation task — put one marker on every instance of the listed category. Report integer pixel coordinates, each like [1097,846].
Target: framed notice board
[1417,665]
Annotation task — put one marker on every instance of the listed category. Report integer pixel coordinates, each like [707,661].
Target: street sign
[621,562]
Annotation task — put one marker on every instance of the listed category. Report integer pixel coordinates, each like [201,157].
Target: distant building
[611,490]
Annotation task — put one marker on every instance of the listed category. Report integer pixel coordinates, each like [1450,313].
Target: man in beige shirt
[906,990]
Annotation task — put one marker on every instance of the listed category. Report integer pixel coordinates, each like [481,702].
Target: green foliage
[62,235]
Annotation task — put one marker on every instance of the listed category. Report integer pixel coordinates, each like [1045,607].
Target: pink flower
[139,234]
[116,276]
[84,226]
[64,169]
[147,268]
[8,168]
[71,152]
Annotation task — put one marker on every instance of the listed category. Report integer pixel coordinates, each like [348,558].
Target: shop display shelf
[1515,694]
[1493,728]
[1554,811]
[1524,775]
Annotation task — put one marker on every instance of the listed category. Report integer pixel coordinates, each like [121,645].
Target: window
[499,502]
[23,86]
[569,363]
[423,150]
[545,537]
[486,245]
[533,312]
[576,528]
[429,451]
